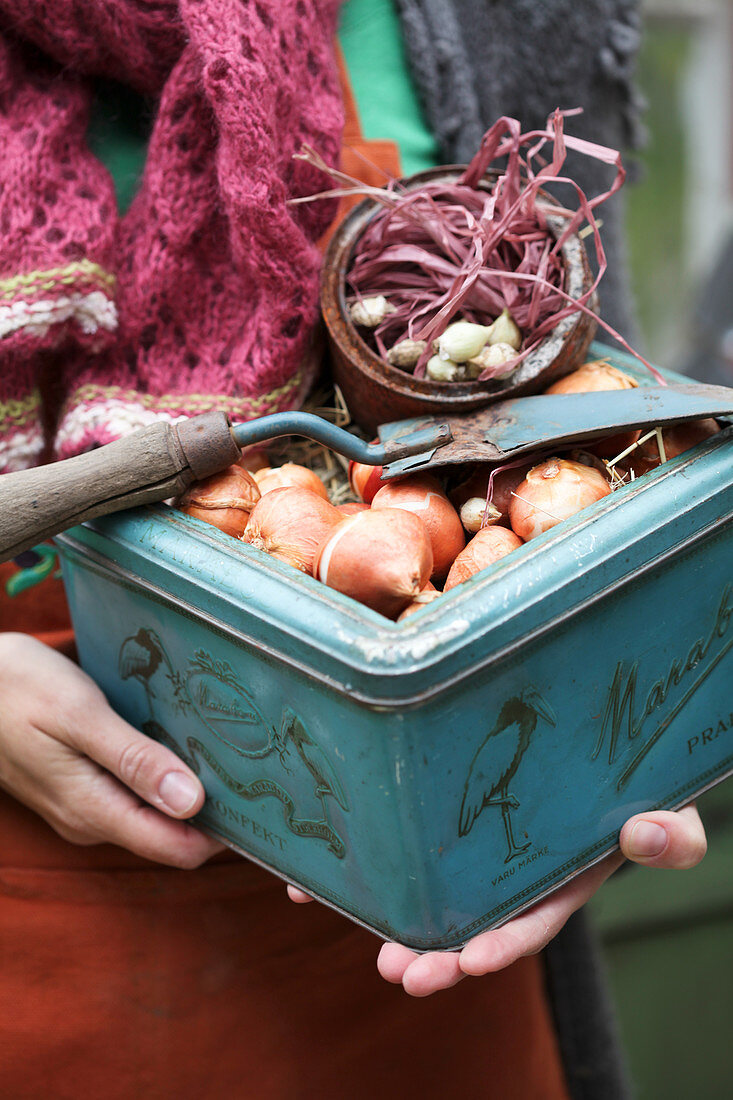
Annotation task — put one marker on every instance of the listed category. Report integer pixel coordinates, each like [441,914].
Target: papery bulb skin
[675,440]
[290,523]
[487,546]
[444,370]
[426,596]
[406,354]
[506,331]
[552,492]
[423,495]
[224,500]
[597,375]
[381,558]
[462,340]
[370,312]
[475,513]
[365,481]
[289,474]
[505,482]
[254,458]
[497,359]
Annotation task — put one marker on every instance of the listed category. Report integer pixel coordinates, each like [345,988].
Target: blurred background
[668,936]
[681,209]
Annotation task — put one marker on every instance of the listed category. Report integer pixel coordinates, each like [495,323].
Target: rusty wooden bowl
[377,393]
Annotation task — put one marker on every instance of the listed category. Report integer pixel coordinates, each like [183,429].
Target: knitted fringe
[21,433]
[96,415]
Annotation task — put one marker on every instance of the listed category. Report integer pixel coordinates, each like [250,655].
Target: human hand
[67,755]
[655,839]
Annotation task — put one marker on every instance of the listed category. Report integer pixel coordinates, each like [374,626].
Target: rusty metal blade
[523,425]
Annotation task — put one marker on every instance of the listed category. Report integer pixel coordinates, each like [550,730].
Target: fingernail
[178,791]
[647,840]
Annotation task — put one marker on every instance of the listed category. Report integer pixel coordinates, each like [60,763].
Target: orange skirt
[121,978]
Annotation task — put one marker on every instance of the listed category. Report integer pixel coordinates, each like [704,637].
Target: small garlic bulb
[443,370]
[505,331]
[370,312]
[476,513]
[462,340]
[493,357]
[406,353]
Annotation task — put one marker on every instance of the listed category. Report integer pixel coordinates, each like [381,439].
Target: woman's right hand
[93,777]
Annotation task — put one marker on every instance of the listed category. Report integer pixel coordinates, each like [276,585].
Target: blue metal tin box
[430,778]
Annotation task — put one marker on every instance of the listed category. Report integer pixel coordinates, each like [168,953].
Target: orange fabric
[41,610]
[124,979]
[373,162]
[157,983]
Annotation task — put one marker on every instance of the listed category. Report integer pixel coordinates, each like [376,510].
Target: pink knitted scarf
[204,295]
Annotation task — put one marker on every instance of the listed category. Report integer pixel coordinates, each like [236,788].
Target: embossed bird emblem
[496,762]
[315,760]
[140,657]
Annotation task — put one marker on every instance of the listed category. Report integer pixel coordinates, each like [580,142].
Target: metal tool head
[508,429]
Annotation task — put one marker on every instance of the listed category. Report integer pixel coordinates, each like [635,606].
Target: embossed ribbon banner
[204,295]
[211,691]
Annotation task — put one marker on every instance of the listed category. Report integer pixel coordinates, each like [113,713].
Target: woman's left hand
[656,839]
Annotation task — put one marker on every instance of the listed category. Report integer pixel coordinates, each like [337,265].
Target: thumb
[662,838]
[149,769]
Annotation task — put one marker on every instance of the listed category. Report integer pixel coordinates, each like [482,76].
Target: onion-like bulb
[289,474]
[290,523]
[380,558]
[352,508]
[224,500]
[366,481]
[427,595]
[675,440]
[551,492]
[475,513]
[505,482]
[253,458]
[595,377]
[423,495]
[487,546]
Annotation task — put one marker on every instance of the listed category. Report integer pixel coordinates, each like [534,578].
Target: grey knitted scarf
[475,60]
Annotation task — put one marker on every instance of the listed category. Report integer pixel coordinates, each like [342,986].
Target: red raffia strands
[446,251]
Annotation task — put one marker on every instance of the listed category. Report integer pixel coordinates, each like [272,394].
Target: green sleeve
[371,42]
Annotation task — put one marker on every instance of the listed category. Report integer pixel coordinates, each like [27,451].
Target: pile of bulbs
[408,540]
[464,352]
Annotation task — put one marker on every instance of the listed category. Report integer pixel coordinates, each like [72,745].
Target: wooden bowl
[377,393]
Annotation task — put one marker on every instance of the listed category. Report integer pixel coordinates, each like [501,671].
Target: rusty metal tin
[377,392]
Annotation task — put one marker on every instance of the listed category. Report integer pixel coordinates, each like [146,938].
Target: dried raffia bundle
[462,278]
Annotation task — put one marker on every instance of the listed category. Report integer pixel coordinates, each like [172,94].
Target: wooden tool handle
[149,465]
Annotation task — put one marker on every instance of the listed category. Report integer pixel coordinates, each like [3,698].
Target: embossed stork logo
[496,762]
[141,655]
